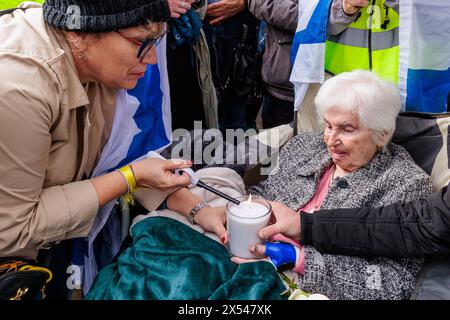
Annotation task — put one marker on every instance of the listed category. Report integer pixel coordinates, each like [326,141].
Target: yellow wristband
[128,174]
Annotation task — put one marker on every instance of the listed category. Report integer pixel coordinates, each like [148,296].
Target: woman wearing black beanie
[61,65]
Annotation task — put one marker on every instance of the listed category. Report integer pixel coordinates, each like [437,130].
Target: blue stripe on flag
[316,30]
[427,90]
[148,117]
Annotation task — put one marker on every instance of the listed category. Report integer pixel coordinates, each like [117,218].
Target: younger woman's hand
[159,174]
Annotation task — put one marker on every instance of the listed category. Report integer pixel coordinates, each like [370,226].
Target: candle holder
[244,222]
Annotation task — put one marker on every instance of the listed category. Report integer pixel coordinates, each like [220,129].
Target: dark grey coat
[391,176]
[282,19]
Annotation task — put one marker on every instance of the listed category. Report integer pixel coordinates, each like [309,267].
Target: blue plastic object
[281,254]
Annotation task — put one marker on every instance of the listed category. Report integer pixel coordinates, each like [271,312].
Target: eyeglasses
[145,45]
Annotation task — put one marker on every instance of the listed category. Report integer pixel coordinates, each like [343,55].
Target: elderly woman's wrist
[200,214]
[295,227]
[173,198]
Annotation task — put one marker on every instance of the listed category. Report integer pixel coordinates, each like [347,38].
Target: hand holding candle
[244,222]
[285,221]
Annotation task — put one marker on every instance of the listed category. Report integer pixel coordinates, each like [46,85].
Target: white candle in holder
[244,222]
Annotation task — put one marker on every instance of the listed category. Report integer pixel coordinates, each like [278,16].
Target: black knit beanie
[103,15]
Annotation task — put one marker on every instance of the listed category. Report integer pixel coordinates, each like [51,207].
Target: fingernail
[223,239]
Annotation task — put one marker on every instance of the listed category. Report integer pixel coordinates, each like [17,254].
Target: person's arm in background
[417,228]
[224,9]
[414,229]
[343,13]
[179,7]
[281,14]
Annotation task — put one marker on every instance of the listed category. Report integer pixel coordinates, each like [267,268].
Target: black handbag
[242,72]
[246,65]
[22,279]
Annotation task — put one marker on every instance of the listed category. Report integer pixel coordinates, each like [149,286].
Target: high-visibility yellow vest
[369,43]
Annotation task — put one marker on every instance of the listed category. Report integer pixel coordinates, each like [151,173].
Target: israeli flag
[424,71]
[142,123]
[308,46]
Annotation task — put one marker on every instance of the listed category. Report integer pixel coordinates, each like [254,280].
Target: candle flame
[249,200]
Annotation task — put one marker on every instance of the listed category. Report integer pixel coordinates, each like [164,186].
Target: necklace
[330,182]
[333,174]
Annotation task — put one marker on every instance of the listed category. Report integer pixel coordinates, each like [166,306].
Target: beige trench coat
[52,128]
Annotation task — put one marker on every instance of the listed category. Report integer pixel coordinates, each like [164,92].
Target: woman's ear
[78,44]
[383,139]
[74,39]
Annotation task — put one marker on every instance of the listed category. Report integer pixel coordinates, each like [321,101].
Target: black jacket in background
[415,229]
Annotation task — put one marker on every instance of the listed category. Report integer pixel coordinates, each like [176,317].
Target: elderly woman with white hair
[351,164]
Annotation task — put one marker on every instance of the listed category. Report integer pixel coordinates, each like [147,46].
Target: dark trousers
[235,111]
[185,94]
[276,112]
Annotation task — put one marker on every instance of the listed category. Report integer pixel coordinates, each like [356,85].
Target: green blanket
[170,261]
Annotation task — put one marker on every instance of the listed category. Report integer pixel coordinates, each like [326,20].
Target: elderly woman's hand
[224,9]
[258,250]
[285,221]
[157,173]
[179,7]
[213,220]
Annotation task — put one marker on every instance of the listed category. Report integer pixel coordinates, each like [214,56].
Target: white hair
[375,102]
